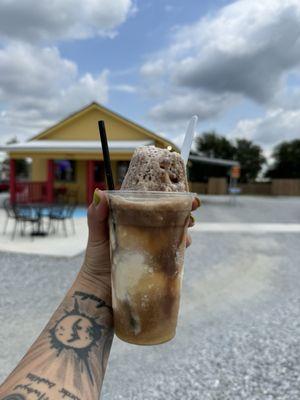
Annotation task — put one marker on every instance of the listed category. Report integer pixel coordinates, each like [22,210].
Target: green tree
[251,159]
[287,161]
[249,155]
[213,145]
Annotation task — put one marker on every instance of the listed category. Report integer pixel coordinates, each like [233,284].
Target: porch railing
[31,192]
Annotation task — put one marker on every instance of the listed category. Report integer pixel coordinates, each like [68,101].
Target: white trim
[215,161]
[79,146]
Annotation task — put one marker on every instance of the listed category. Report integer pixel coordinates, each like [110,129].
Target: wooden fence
[278,187]
[214,186]
[256,188]
[198,187]
[217,186]
[286,187]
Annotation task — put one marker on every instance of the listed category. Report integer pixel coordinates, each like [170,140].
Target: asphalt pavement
[238,335]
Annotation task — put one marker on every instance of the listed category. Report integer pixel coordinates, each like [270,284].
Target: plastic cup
[147,236]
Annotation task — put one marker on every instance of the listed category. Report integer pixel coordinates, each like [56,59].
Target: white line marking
[245,227]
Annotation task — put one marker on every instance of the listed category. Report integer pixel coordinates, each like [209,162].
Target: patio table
[40,210]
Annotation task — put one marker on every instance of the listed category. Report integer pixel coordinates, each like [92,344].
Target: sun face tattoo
[71,355]
[77,332]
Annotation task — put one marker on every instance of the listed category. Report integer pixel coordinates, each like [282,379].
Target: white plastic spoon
[188,139]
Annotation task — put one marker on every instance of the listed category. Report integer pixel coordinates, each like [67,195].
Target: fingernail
[192,219]
[198,201]
[96,197]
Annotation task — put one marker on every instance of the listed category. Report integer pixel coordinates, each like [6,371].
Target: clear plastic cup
[147,236]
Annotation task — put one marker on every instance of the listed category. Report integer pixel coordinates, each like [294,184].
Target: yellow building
[67,157]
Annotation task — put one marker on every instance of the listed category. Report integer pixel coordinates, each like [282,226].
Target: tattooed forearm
[100,302]
[38,394]
[69,395]
[78,334]
[69,359]
[32,387]
[30,390]
[38,379]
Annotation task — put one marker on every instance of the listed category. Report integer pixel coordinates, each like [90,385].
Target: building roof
[95,105]
[214,161]
[80,146]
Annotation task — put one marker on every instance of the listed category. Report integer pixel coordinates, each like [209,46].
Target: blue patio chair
[22,215]
[9,214]
[58,214]
[70,209]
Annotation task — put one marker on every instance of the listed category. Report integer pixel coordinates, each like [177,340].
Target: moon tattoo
[76,332]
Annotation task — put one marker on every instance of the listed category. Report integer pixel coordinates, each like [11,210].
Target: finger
[191,221]
[188,240]
[196,203]
[99,206]
[97,217]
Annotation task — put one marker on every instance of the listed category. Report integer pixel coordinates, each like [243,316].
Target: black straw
[106,157]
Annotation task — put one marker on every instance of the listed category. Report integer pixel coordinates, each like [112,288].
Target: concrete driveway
[239,330]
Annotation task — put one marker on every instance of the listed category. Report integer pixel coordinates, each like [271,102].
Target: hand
[96,268]
[97,265]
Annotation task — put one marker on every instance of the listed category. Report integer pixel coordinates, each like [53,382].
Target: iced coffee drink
[148,224]
[148,235]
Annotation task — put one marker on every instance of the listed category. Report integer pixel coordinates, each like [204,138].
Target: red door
[95,178]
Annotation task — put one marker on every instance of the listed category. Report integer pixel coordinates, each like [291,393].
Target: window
[22,169]
[64,170]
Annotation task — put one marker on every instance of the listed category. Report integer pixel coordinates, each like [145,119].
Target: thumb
[97,217]
[97,257]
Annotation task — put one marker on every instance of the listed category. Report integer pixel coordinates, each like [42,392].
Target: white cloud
[31,20]
[245,50]
[276,126]
[181,106]
[154,68]
[124,88]
[38,87]
[27,71]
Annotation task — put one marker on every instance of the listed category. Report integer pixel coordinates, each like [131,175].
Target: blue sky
[233,63]
[142,34]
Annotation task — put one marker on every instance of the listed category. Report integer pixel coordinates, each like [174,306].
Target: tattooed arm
[69,358]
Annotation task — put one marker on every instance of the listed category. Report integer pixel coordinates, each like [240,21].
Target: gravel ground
[239,330]
[250,209]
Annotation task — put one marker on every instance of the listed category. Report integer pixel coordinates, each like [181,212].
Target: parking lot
[239,329]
